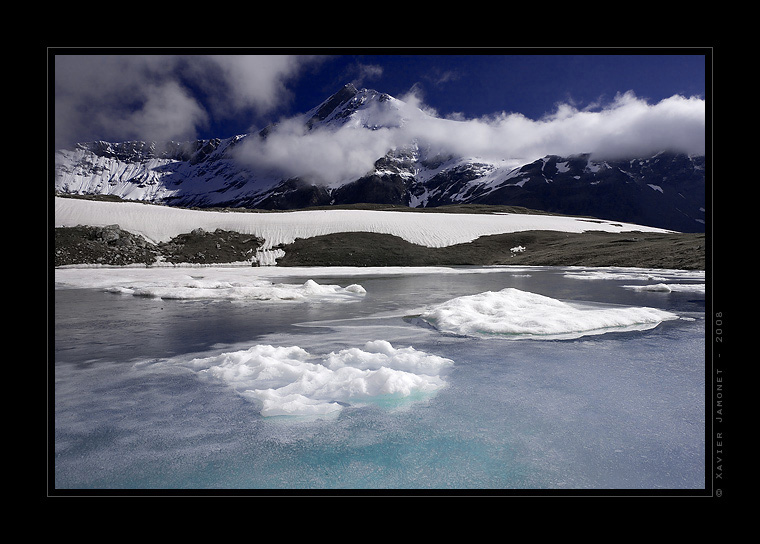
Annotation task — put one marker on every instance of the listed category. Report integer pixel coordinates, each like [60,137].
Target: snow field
[161,223]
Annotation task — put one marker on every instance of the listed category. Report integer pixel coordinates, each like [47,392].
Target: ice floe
[670,287]
[203,283]
[289,381]
[512,313]
[631,273]
[667,281]
[254,290]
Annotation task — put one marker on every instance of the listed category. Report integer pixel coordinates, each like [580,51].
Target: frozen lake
[172,393]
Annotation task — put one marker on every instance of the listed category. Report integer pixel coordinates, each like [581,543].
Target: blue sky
[181,95]
[482,84]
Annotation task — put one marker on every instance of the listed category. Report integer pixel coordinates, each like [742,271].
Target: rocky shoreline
[112,246]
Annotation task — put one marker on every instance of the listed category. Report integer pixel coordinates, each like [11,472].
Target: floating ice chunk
[670,287]
[611,274]
[380,354]
[291,381]
[255,289]
[518,314]
[313,288]
[646,274]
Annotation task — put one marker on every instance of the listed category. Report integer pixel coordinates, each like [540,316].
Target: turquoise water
[618,411]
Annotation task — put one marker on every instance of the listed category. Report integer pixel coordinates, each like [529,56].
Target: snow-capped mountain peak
[364,146]
[362,108]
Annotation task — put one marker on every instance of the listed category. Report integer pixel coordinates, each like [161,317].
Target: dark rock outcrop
[112,246]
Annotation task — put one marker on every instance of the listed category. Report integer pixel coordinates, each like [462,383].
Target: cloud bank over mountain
[171,97]
[627,127]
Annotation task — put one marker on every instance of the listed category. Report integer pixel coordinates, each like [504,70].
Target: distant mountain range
[666,190]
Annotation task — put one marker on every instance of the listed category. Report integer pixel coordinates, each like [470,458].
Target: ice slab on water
[234,290]
[628,273]
[289,381]
[519,314]
[670,288]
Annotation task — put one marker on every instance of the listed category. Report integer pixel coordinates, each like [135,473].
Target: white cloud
[151,97]
[236,83]
[166,111]
[627,127]
[320,155]
[367,72]
[117,95]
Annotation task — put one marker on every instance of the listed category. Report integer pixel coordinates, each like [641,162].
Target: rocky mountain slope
[666,190]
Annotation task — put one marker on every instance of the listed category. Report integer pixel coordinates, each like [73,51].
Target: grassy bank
[541,248]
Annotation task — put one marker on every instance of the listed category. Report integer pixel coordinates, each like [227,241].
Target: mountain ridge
[665,189]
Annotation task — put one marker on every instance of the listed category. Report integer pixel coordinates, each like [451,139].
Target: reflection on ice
[518,314]
[290,381]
